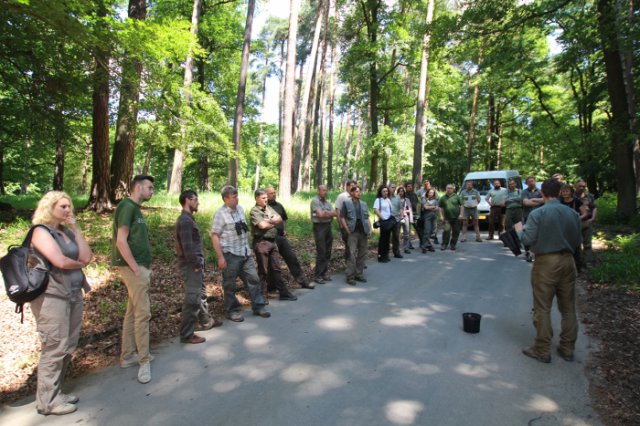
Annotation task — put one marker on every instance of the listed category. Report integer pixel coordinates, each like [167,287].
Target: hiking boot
[262,312]
[564,355]
[541,358]
[69,398]
[209,325]
[194,339]
[235,316]
[289,296]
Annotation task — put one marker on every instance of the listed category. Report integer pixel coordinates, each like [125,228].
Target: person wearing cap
[496,199]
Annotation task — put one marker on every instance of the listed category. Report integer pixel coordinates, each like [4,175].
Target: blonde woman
[58,311]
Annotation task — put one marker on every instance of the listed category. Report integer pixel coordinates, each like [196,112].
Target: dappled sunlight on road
[336,323]
[313,380]
[481,370]
[541,403]
[256,369]
[410,366]
[403,412]
[496,385]
[409,317]
[353,302]
[258,343]
[226,386]
[351,289]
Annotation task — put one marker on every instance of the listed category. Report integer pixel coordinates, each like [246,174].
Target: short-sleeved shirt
[258,214]
[318,204]
[470,197]
[279,208]
[129,214]
[384,206]
[513,199]
[527,194]
[224,225]
[397,206]
[497,196]
[342,197]
[450,206]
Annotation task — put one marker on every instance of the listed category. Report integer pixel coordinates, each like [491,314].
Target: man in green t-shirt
[131,255]
[451,213]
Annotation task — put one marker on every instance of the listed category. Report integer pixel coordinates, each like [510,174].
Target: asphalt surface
[391,351]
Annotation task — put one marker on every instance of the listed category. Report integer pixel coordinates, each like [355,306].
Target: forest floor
[611,317]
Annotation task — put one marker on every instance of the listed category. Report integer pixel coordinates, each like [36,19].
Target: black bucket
[471,322]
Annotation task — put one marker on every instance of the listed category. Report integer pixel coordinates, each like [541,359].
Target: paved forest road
[388,352]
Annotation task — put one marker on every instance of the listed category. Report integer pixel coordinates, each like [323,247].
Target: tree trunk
[307,100]
[422,104]
[58,163]
[127,122]
[147,160]
[621,136]
[99,197]
[348,137]
[242,88]
[175,185]
[304,174]
[2,188]
[256,181]
[284,187]
[371,21]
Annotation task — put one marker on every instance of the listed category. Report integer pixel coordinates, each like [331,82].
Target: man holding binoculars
[230,242]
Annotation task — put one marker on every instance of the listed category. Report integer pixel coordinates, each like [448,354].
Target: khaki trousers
[358,248]
[135,326]
[58,324]
[554,275]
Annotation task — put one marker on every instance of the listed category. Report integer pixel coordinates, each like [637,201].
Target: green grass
[161,213]
[619,263]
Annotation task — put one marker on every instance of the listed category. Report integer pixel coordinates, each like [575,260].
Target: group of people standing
[551,234]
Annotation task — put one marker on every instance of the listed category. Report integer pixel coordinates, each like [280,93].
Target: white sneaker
[144,373]
[60,410]
[132,360]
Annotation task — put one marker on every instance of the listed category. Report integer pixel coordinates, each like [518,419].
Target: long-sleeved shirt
[188,242]
[552,228]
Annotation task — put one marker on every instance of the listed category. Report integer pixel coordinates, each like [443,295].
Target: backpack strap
[27,243]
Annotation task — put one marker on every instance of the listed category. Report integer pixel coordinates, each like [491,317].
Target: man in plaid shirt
[230,242]
[191,263]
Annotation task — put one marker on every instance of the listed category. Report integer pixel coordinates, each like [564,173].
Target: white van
[483,182]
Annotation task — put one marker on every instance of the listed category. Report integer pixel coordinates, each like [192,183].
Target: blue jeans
[245,268]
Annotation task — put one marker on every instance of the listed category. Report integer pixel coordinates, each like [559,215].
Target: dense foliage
[511,84]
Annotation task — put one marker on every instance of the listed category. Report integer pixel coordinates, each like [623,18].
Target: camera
[241,227]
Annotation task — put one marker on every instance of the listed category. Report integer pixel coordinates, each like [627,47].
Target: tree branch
[540,95]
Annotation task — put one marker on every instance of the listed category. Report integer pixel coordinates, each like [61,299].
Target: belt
[561,252]
[271,240]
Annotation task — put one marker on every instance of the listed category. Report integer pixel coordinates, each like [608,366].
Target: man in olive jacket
[354,220]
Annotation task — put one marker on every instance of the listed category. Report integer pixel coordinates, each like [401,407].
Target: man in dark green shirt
[131,255]
[451,213]
[264,222]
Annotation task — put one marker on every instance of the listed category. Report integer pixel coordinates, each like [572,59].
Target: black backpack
[22,282]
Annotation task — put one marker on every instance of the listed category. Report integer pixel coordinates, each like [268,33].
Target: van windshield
[484,185]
